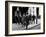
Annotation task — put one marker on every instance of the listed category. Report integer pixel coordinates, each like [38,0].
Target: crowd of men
[24,20]
[23,17]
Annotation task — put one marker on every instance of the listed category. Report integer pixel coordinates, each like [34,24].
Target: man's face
[23,14]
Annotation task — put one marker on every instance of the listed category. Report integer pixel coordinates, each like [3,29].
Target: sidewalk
[34,26]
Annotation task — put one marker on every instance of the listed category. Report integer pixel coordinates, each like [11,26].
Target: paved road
[19,27]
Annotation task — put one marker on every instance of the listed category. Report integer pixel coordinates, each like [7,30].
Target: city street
[19,27]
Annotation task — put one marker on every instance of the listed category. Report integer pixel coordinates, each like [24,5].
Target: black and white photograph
[24,18]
